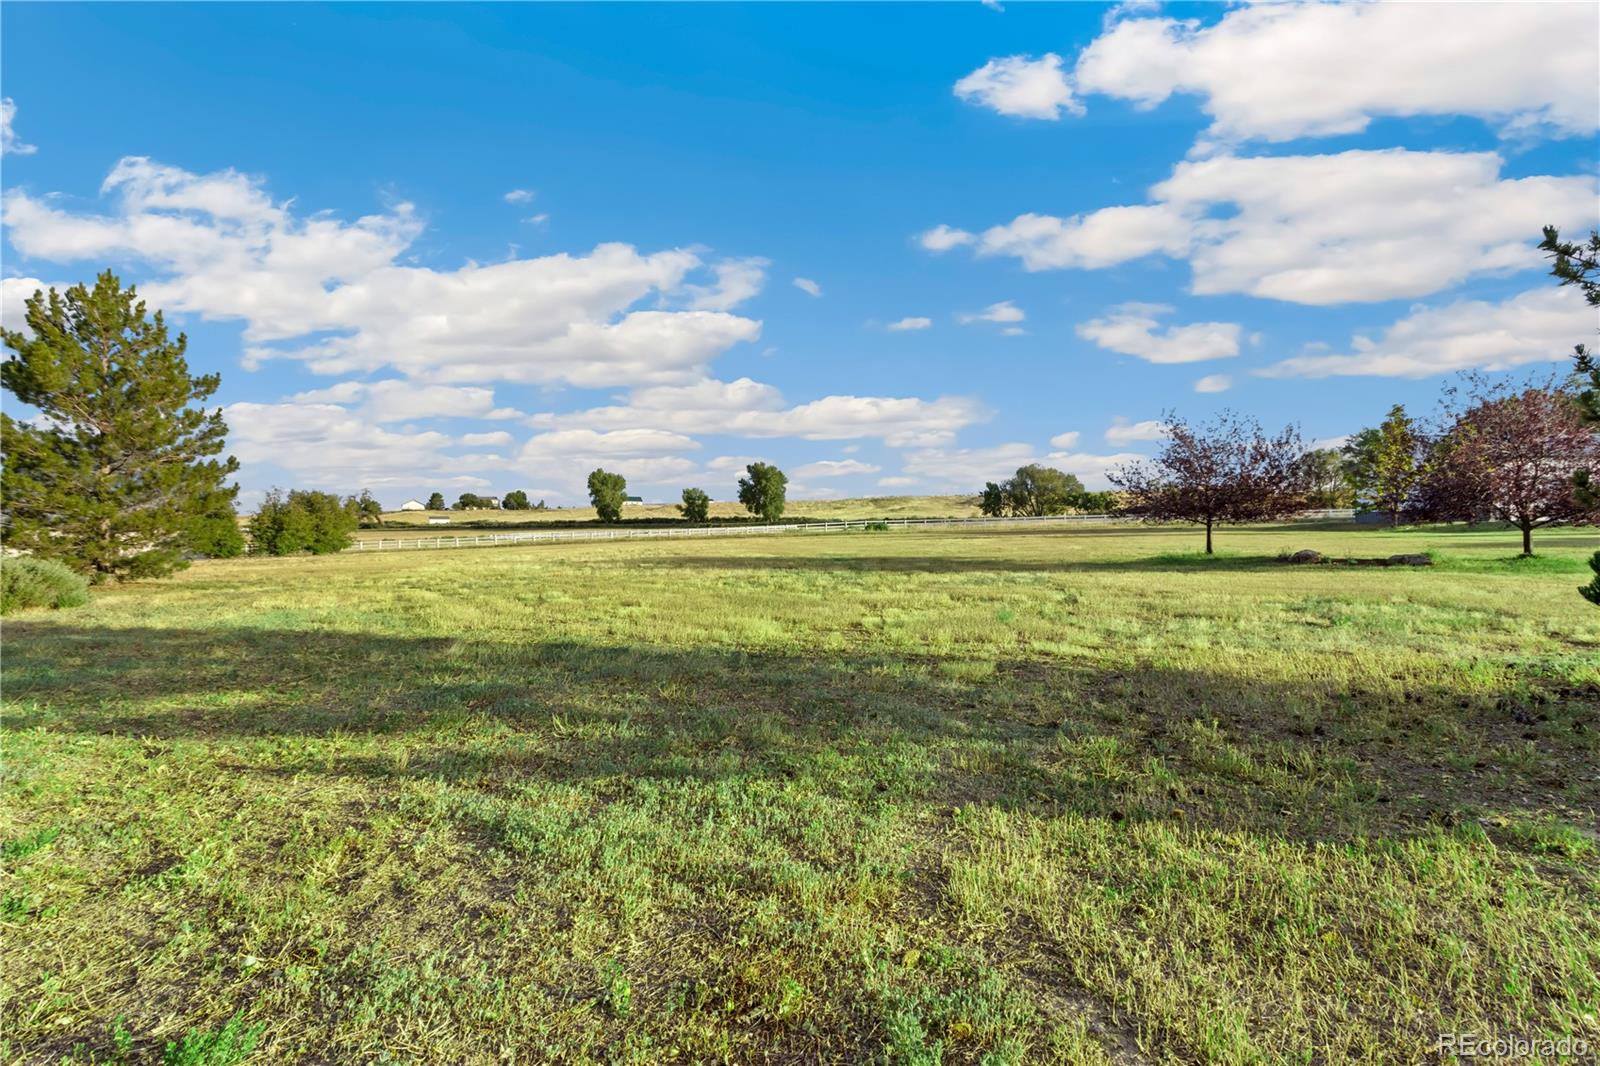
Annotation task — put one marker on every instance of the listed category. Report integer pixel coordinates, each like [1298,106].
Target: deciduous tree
[696,505]
[1510,453]
[1225,472]
[763,490]
[369,512]
[303,521]
[120,465]
[1385,465]
[515,500]
[1033,491]
[436,501]
[608,491]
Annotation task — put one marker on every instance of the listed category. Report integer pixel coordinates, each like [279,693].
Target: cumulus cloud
[403,401]
[1129,433]
[737,280]
[14,295]
[494,439]
[1021,86]
[942,238]
[10,143]
[749,408]
[1004,311]
[328,446]
[1317,229]
[1065,441]
[835,468]
[807,286]
[905,324]
[1277,72]
[1213,383]
[1535,326]
[333,293]
[519,196]
[966,469]
[1133,329]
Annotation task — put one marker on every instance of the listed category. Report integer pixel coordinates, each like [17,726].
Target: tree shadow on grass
[1304,759]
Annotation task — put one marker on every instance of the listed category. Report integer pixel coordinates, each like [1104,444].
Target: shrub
[216,536]
[607,491]
[317,522]
[29,582]
[696,505]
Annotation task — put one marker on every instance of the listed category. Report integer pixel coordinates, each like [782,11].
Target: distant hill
[860,507]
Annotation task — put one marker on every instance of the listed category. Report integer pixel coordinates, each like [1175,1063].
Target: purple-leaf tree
[1510,453]
[1226,471]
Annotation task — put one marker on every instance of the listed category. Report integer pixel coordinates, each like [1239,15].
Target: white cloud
[1125,433]
[485,440]
[748,408]
[644,456]
[332,293]
[966,469]
[942,238]
[519,196]
[1065,441]
[835,468]
[807,286]
[1004,311]
[1101,238]
[909,323]
[896,482]
[538,220]
[737,280]
[402,401]
[1318,229]
[327,446]
[10,143]
[1022,86]
[14,296]
[1213,383]
[1132,329]
[1536,326]
[1281,71]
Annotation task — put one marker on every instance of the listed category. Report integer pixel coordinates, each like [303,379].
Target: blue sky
[492,247]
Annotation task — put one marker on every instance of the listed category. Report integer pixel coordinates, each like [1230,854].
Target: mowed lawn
[961,796]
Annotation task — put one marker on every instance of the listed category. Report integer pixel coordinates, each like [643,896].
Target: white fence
[485,540]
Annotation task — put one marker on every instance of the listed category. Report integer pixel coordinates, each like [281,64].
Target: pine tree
[113,476]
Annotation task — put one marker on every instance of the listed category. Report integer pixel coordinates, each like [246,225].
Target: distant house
[632,500]
[437,520]
[490,501]
[413,505]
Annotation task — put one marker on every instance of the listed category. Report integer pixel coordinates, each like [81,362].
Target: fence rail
[486,540]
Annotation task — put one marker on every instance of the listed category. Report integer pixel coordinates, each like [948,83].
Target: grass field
[857,507]
[990,796]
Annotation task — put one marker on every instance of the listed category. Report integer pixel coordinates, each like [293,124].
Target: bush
[696,505]
[216,536]
[29,582]
[317,522]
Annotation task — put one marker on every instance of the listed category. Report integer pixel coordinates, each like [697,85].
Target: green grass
[955,796]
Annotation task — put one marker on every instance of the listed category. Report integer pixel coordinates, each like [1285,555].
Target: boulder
[1410,560]
[1306,556]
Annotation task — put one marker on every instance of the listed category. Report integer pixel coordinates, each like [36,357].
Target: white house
[413,505]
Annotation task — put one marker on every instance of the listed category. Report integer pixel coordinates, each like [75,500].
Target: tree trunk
[1527,537]
[1208,534]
